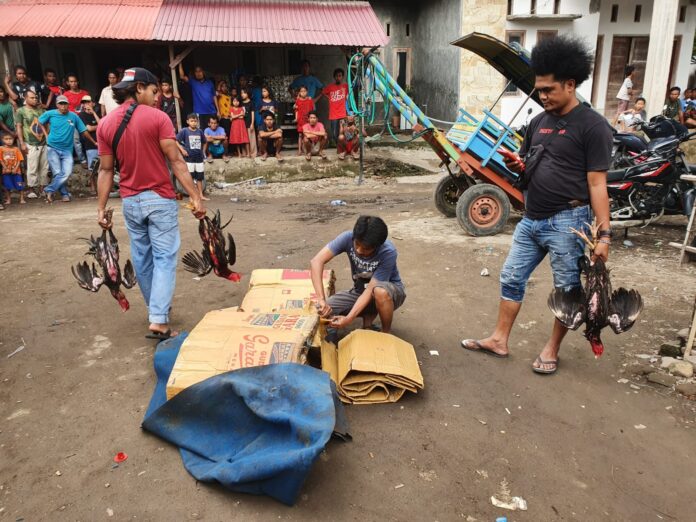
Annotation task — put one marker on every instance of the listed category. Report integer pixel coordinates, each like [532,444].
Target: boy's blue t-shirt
[60,135]
[381,266]
[203,93]
[214,148]
[192,141]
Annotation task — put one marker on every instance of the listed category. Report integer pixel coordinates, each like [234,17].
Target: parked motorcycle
[652,186]
[630,148]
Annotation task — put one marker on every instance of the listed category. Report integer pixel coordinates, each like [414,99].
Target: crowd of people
[678,107]
[48,125]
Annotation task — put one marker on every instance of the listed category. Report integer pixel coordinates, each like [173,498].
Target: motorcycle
[630,148]
[652,186]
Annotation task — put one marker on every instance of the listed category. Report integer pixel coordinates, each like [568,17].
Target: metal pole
[175,86]
[362,122]
[521,107]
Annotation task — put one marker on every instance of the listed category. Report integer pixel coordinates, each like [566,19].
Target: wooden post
[6,56]
[175,86]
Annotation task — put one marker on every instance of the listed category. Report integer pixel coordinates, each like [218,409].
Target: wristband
[606,233]
[605,241]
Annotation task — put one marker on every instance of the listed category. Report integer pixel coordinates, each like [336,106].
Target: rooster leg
[584,237]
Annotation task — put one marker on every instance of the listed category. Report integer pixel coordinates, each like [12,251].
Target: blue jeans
[92,154]
[533,239]
[153,226]
[335,129]
[61,163]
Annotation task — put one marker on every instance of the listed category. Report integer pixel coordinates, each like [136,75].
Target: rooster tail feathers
[129,279]
[567,306]
[625,307]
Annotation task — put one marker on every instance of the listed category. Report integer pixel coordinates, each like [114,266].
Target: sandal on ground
[545,371]
[475,346]
[308,157]
[161,336]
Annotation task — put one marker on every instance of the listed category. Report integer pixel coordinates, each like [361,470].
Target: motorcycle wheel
[483,210]
[447,193]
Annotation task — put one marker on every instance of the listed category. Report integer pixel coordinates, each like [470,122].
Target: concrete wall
[433,24]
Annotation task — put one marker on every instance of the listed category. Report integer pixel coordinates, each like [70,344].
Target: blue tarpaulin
[254,430]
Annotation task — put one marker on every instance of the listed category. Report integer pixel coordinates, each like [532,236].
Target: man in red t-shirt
[149,202]
[314,137]
[336,93]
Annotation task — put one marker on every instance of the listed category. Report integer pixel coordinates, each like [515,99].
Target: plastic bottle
[338,203]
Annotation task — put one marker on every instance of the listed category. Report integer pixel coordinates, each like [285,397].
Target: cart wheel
[483,210]
[447,193]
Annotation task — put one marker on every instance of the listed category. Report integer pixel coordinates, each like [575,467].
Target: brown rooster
[595,304]
[216,254]
[105,251]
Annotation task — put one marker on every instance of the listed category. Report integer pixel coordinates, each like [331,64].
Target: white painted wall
[591,25]
[625,26]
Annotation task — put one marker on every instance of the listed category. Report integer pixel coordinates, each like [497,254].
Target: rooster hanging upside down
[105,251]
[216,255]
[595,305]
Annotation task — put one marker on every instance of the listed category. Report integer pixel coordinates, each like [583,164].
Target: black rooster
[216,255]
[595,305]
[104,249]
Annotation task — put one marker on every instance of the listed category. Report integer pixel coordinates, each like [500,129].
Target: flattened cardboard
[229,339]
[372,367]
[273,290]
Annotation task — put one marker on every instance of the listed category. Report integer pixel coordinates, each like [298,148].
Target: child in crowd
[192,144]
[239,135]
[336,93]
[167,100]
[265,104]
[216,139]
[224,103]
[11,159]
[249,118]
[348,139]
[303,106]
[314,138]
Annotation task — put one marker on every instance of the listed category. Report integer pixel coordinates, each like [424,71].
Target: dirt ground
[576,446]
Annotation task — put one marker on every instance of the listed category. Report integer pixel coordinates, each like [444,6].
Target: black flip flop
[160,336]
[481,348]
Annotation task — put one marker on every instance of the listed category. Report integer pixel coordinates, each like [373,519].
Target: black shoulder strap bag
[120,130]
[535,152]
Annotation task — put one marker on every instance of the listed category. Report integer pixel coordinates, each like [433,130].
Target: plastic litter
[120,457]
[434,352]
[16,351]
[485,272]
[628,243]
[514,504]
[338,203]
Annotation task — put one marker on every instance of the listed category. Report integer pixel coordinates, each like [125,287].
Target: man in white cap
[150,209]
[61,125]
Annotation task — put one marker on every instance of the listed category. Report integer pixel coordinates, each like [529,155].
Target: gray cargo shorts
[342,302]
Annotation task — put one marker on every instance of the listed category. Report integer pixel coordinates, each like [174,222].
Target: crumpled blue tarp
[255,430]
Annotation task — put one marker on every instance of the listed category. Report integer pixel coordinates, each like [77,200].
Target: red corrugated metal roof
[335,23]
[108,19]
[338,23]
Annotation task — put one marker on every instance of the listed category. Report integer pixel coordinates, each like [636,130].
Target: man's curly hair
[565,57]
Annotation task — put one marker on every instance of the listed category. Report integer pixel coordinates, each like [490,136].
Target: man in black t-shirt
[90,118]
[573,148]
[18,88]
[270,138]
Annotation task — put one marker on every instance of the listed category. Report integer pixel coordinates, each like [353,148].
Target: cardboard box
[229,339]
[372,367]
[273,290]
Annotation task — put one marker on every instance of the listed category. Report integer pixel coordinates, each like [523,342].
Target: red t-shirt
[304,107]
[141,161]
[75,98]
[337,100]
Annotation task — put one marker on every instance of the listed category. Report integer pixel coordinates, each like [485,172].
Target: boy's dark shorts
[342,302]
